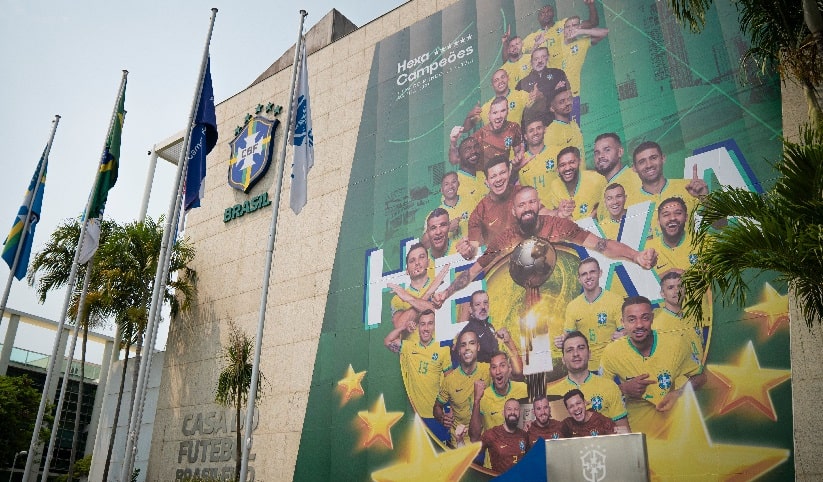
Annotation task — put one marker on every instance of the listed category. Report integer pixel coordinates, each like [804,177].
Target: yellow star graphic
[689,454]
[349,385]
[376,424]
[747,383]
[421,462]
[773,307]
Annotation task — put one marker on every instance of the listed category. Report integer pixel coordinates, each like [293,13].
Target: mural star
[419,461]
[350,386]
[679,456]
[376,424]
[773,308]
[748,383]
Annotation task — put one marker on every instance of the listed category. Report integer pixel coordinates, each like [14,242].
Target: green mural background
[647,80]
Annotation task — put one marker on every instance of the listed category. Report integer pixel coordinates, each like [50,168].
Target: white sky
[66,57]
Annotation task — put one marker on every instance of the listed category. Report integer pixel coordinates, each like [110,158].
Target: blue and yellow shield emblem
[251,152]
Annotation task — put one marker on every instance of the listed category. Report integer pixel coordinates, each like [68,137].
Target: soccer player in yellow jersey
[422,365]
[570,54]
[583,188]
[673,245]
[595,312]
[647,161]
[468,155]
[438,240]
[457,207]
[563,131]
[669,317]
[453,405]
[602,394]
[608,162]
[516,65]
[651,368]
[550,33]
[518,101]
[539,167]
[613,211]
[487,405]
[407,303]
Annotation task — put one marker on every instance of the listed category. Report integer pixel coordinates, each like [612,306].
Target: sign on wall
[612,121]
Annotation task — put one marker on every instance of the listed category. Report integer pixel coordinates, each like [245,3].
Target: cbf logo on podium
[597,459]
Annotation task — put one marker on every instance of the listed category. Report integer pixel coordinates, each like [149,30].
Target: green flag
[109,163]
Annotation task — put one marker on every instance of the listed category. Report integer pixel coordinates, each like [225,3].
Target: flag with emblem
[202,140]
[302,139]
[106,179]
[20,234]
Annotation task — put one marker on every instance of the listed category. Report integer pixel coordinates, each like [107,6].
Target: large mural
[516,227]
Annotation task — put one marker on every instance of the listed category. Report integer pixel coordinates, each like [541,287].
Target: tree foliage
[19,403]
[786,37]
[235,380]
[780,230]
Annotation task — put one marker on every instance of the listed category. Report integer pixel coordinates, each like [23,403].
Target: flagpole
[261,321]
[35,436]
[27,221]
[58,411]
[161,273]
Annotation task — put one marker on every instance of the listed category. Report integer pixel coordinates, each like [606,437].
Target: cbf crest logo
[593,464]
[251,152]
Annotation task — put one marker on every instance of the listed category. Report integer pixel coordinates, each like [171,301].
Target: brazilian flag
[109,163]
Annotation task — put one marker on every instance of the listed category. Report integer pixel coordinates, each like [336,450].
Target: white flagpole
[161,274]
[35,436]
[261,321]
[55,426]
[27,221]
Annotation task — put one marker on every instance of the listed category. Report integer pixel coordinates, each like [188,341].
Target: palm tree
[128,262]
[787,36]
[53,264]
[235,380]
[779,231]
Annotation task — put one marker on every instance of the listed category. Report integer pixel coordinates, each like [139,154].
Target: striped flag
[302,139]
[17,235]
[106,179]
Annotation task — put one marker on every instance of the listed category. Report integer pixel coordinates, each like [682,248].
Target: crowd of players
[520,172]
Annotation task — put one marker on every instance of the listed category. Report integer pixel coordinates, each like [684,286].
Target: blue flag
[302,139]
[202,141]
[17,234]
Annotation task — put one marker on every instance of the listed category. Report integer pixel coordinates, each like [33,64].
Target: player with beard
[437,239]
[651,368]
[673,244]
[550,33]
[595,312]
[554,229]
[648,161]
[543,426]
[582,422]
[506,443]
[563,131]
[581,189]
[458,386]
[479,323]
[518,100]
[500,136]
[468,155]
[515,64]
[608,162]
[487,405]
[539,168]
[602,395]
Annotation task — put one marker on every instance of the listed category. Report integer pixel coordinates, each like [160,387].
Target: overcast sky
[66,57]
